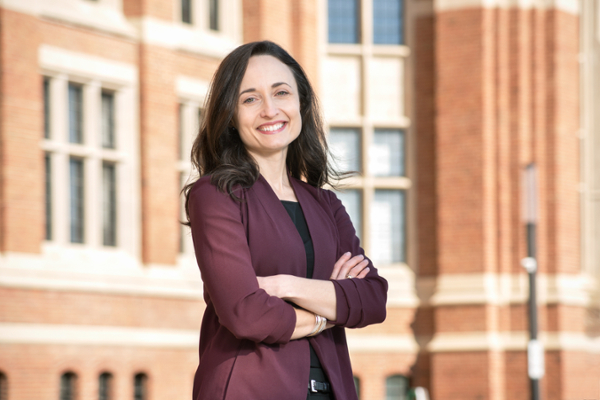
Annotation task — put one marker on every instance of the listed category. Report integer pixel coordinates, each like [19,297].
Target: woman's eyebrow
[276,84]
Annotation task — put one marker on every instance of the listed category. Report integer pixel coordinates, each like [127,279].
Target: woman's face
[267,114]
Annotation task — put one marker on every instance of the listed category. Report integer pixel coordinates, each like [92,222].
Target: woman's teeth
[271,128]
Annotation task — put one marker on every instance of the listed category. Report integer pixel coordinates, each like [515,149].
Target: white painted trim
[83,269]
[569,6]
[500,289]
[85,335]
[181,37]
[103,15]
[56,60]
[508,341]
[397,343]
[192,88]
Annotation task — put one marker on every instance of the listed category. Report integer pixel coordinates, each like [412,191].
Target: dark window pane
[108,120]
[388,27]
[3,386]
[343,21]
[186,11]
[109,204]
[180,132]
[75,113]
[213,14]
[48,194]
[396,388]
[68,386]
[140,387]
[76,199]
[105,386]
[352,201]
[47,108]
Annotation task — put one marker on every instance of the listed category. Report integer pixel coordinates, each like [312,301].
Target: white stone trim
[502,289]
[85,335]
[86,67]
[569,6]
[508,341]
[81,269]
[401,290]
[397,343]
[103,15]
[192,88]
[178,36]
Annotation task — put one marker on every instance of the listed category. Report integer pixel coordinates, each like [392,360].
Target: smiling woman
[282,267]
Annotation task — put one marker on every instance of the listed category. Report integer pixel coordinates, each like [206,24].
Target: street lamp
[535,350]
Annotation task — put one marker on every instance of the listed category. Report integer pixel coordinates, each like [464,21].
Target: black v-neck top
[295,211]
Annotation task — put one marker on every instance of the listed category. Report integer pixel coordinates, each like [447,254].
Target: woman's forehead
[265,70]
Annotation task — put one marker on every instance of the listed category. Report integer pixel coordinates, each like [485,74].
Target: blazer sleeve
[225,265]
[360,302]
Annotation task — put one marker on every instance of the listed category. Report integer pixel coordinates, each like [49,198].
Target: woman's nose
[269,109]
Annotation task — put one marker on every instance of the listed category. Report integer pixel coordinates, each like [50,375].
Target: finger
[338,265]
[363,273]
[359,268]
[349,265]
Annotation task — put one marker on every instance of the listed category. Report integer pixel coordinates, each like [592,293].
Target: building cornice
[569,6]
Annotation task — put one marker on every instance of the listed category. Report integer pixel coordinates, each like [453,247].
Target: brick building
[439,104]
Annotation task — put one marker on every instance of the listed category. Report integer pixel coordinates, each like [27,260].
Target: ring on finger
[349,276]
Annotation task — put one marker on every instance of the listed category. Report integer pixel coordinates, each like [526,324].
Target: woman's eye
[249,100]
[282,93]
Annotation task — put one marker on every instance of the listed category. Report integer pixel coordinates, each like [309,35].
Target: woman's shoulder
[204,190]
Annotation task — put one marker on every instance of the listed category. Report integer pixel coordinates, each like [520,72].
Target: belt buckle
[312,386]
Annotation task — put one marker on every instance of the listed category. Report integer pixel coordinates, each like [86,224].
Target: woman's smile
[275,127]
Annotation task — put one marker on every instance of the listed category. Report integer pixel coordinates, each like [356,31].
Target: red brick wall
[21,130]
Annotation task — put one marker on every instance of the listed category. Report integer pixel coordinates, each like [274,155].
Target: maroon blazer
[245,347]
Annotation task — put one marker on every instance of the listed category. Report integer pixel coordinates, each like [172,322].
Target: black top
[295,211]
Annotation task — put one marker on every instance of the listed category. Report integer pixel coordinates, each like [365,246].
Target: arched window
[140,387]
[3,386]
[105,386]
[396,387]
[68,386]
[357,385]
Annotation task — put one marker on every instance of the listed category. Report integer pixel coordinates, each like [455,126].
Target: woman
[282,268]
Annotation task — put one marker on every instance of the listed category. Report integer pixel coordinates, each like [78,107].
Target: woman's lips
[272,128]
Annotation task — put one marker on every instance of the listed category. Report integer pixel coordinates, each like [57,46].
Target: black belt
[316,387]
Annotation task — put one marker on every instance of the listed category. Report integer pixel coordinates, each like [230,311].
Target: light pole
[535,350]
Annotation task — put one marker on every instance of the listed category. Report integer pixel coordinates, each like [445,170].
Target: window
[76,196]
[109,204]
[396,388]
[68,386]
[3,386]
[345,146]
[213,15]
[369,131]
[108,120]
[387,22]
[48,194]
[343,21]
[46,108]
[83,162]
[105,386]
[387,153]
[140,387]
[75,113]
[186,11]
[352,201]
[388,227]
[190,119]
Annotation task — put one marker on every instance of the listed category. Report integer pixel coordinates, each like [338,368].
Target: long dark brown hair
[218,149]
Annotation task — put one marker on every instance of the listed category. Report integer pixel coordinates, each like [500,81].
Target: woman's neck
[274,170]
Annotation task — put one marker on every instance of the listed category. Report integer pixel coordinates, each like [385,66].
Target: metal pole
[535,351]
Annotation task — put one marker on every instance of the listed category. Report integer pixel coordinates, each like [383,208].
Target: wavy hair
[218,150]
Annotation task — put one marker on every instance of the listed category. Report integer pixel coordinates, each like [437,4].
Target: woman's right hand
[348,267]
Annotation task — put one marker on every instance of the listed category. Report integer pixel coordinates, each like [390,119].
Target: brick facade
[493,90]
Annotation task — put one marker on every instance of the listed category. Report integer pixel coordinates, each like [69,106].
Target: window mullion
[92,170]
